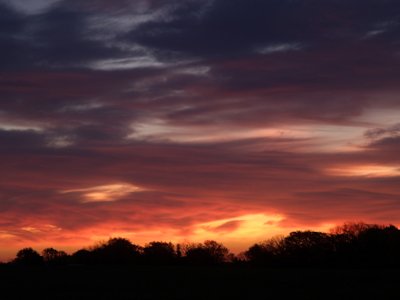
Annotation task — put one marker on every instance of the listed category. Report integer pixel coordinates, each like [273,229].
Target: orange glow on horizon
[236,233]
[366,171]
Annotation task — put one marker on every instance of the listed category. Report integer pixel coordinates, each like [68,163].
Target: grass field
[197,283]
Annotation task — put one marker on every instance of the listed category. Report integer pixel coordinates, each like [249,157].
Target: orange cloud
[369,171]
[105,193]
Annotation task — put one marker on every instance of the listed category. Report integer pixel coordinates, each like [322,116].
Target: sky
[233,120]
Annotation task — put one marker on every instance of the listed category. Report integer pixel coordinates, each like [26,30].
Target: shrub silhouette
[28,257]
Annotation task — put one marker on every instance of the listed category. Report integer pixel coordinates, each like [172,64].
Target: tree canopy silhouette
[117,251]
[352,244]
[54,257]
[208,253]
[28,257]
[160,253]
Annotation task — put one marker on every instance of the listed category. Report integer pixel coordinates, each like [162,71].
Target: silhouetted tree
[83,257]
[361,244]
[308,247]
[52,256]
[28,257]
[117,251]
[378,246]
[352,229]
[269,252]
[352,244]
[257,254]
[208,253]
[178,251]
[159,253]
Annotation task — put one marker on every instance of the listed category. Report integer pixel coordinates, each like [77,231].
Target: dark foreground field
[197,283]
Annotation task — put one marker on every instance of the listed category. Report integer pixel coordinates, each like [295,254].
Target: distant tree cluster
[120,251]
[349,245]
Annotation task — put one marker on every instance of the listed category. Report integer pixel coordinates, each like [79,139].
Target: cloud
[241,25]
[31,7]
[226,112]
[105,193]
[377,133]
[278,48]
[366,171]
[228,226]
[127,63]
[18,139]
[384,139]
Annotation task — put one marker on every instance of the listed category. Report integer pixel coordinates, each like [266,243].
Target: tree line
[348,245]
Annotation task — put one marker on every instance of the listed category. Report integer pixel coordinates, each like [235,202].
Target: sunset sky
[186,120]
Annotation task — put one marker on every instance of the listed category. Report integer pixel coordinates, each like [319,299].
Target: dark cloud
[227,226]
[13,52]
[56,38]
[391,144]
[224,28]
[60,38]
[12,140]
[391,131]
[384,140]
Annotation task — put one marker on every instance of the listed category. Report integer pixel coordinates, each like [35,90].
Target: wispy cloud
[105,193]
[276,48]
